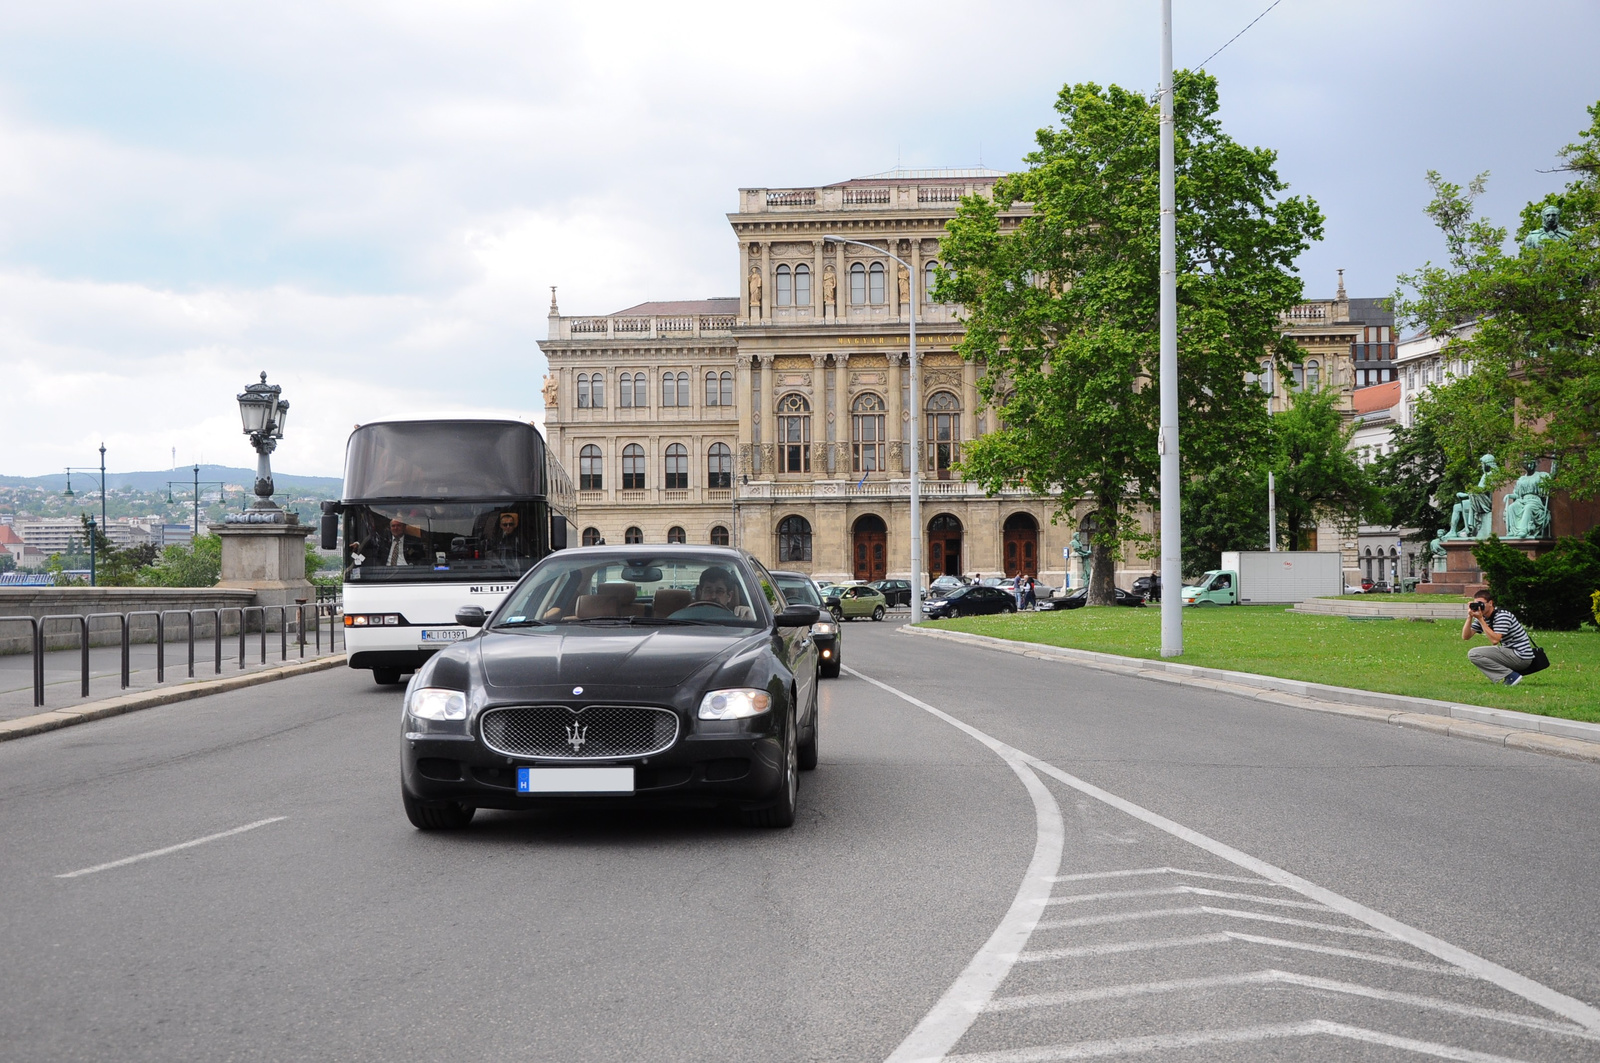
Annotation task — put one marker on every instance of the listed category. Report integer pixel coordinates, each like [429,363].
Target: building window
[794,434]
[727,389]
[858,284]
[1313,376]
[633,536]
[591,537]
[675,535]
[583,391]
[1299,377]
[719,535]
[641,390]
[944,433]
[677,478]
[625,390]
[784,283]
[590,468]
[802,285]
[875,284]
[719,389]
[712,395]
[794,539]
[669,390]
[719,466]
[632,390]
[866,433]
[633,467]
[930,275]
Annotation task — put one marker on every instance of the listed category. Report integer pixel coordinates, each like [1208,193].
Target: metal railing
[304,619]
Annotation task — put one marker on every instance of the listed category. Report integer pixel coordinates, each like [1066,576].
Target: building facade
[779,419]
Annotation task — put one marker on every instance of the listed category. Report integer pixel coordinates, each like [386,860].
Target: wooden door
[871,555]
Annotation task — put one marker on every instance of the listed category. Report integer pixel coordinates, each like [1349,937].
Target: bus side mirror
[558,533]
[330,531]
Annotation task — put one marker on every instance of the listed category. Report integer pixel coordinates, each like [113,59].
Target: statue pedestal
[269,559]
[1463,576]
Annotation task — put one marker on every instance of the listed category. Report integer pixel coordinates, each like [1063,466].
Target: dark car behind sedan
[969,601]
[632,674]
[828,634]
[1080,598]
[895,591]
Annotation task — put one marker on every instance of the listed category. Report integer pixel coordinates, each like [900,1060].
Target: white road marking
[1275,977]
[125,861]
[1127,1046]
[1232,937]
[949,1019]
[1091,875]
[1197,891]
[1206,909]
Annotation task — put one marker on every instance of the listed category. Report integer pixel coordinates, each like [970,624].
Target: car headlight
[734,704]
[824,629]
[432,703]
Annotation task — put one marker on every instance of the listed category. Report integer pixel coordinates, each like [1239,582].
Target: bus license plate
[444,634]
[575,780]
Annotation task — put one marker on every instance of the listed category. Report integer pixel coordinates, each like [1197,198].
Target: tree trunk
[1103,579]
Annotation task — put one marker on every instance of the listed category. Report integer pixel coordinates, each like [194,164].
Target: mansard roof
[728,305]
[937,173]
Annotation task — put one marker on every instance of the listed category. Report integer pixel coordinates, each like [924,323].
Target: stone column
[744,281]
[763,412]
[766,280]
[896,425]
[822,391]
[917,297]
[746,429]
[269,559]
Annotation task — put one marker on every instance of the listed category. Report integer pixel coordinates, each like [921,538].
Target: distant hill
[157,481]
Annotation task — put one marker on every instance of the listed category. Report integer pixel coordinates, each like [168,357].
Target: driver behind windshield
[717,587]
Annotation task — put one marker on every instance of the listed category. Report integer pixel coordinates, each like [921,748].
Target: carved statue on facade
[550,391]
[903,278]
[1472,517]
[1527,509]
[1549,231]
[830,287]
[755,292]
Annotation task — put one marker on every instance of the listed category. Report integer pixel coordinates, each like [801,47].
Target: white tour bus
[438,514]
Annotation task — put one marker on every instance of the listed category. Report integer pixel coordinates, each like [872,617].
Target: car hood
[605,658]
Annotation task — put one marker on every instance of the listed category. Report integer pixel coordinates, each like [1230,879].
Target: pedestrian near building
[1509,652]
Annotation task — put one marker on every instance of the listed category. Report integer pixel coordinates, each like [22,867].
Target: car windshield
[572,590]
[797,591]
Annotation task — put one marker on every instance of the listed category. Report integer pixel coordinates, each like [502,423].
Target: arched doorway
[944,546]
[1020,543]
[870,548]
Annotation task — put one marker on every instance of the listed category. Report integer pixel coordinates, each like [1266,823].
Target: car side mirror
[471,616]
[799,616]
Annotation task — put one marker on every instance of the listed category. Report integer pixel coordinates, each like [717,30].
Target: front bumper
[738,765]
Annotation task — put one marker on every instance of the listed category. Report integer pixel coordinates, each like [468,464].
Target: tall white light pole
[1171,497]
[916,480]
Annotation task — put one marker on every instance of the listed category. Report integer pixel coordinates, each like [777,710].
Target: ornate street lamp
[263,412]
[93,549]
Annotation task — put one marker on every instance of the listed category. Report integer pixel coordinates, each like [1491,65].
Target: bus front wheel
[386,677]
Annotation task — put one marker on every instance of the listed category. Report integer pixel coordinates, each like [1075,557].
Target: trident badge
[577,735]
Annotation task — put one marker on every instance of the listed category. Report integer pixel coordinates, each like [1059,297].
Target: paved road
[1025,854]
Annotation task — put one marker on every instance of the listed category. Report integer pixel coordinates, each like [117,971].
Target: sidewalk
[63,670]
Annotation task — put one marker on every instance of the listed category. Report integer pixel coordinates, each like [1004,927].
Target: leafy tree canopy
[1526,318]
[1062,305]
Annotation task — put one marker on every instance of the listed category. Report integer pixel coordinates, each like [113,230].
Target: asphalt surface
[338,932]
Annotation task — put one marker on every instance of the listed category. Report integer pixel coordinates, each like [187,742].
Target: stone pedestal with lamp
[264,548]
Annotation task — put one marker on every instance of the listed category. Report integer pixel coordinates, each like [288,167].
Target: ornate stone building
[778,420]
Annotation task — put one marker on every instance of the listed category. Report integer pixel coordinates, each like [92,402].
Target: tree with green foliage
[196,565]
[1062,306]
[1411,478]
[1317,475]
[1224,508]
[1527,318]
[1554,591]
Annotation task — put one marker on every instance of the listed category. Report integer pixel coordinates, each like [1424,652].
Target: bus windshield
[443,541]
[440,460]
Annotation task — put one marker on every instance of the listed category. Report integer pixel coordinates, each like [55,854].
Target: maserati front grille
[593,732]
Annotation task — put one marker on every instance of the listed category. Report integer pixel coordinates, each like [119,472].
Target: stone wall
[78,601]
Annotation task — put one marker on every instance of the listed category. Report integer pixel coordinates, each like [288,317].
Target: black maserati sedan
[968,601]
[621,675]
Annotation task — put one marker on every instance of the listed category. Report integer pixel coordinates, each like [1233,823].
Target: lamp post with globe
[263,411]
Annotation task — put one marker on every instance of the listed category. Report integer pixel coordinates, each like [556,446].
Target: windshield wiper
[652,621]
[521,623]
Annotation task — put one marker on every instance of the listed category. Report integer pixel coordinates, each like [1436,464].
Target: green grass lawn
[1393,656]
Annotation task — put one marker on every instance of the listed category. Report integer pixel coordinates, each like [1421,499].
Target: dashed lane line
[126,860]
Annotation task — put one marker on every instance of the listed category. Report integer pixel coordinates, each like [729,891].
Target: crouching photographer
[1510,653]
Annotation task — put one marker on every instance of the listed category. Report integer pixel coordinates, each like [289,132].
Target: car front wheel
[781,812]
[442,815]
[878,612]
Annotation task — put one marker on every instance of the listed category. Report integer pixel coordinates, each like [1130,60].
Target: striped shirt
[1512,634]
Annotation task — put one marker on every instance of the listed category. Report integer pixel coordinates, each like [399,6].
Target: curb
[55,719]
[1573,739]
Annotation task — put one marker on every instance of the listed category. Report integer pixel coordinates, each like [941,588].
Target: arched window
[784,283]
[633,467]
[858,284]
[866,433]
[719,535]
[1313,376]
[677,478]
[802,285]
[669,390]
[675,535]
[719,466]
[641,390]
[794,539]
[625,390]
[591,537]
[794,434]
[875,284]
[712,397]
[727,389]
[944,433]
[633,536]
[683,390]
[583,391]
[1299,377]
[930,274]
[590,468]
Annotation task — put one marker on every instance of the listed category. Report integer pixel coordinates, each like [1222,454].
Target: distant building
[1347,343]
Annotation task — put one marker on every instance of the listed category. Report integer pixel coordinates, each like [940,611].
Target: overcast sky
[370,201]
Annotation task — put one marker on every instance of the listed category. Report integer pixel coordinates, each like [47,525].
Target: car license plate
[574,780]
[443,634]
